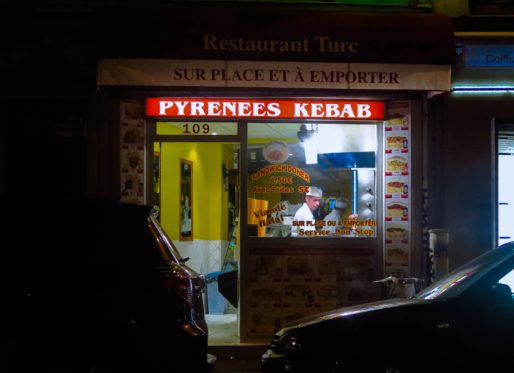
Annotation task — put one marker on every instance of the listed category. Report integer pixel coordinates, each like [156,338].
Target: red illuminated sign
[179,107]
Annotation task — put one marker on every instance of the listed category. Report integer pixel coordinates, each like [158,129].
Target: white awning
[276,74]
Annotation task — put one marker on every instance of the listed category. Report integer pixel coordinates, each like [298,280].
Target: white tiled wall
[205,256]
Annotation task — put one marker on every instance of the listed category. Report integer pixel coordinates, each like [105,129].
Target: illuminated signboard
[179,107]
[489,56]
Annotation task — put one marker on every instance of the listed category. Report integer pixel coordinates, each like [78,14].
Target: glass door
[196,189]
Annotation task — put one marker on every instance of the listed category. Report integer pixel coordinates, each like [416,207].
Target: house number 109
[195,128]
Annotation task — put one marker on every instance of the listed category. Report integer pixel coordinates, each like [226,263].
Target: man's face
[340,210]
[312,202]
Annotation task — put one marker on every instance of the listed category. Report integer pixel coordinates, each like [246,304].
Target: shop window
[312,179]
[505,160]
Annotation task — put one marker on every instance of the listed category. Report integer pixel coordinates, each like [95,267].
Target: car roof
[45,228]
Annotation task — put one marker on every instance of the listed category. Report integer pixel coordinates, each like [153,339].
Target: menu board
[284,288]
[132,152]
[397,205]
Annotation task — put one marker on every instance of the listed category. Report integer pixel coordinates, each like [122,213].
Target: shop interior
[197,190]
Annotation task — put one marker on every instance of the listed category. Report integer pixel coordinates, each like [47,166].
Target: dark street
[237,359]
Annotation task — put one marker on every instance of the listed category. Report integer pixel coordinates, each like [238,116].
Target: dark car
[96,287]
[461,323]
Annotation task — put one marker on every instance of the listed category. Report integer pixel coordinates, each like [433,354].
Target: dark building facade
[471,143]
[203,111]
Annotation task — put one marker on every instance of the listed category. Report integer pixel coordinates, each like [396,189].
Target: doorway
[196,188]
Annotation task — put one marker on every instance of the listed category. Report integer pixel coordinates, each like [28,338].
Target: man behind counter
[304,217]
[337,215]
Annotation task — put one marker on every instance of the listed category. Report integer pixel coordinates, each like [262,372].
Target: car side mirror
[501,294]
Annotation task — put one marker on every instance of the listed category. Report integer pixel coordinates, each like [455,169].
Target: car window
[448,283]
[168,250]
[501,281]
[508,279]
[464,277]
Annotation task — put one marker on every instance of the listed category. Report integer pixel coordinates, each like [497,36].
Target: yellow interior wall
[209,200]
[164,128]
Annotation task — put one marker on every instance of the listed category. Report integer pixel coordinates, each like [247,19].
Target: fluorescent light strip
[488,90]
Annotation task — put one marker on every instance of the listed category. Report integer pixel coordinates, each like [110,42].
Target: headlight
[289,343]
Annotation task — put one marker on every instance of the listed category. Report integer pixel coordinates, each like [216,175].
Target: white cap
[340,203]
[315,192]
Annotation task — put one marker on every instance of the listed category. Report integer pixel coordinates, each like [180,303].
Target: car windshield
[171,251]
[463,277]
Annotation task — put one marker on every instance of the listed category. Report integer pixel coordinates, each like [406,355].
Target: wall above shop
[212,31]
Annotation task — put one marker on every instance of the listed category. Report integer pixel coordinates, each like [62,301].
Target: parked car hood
[347,312]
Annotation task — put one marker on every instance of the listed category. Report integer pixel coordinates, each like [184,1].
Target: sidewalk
[237,359]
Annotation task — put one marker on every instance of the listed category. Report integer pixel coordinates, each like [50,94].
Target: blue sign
[489,56]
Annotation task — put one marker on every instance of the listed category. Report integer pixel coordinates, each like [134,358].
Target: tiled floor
[232,355]
[223,329]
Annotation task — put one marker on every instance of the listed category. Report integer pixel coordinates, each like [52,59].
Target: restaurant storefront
[228,137]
